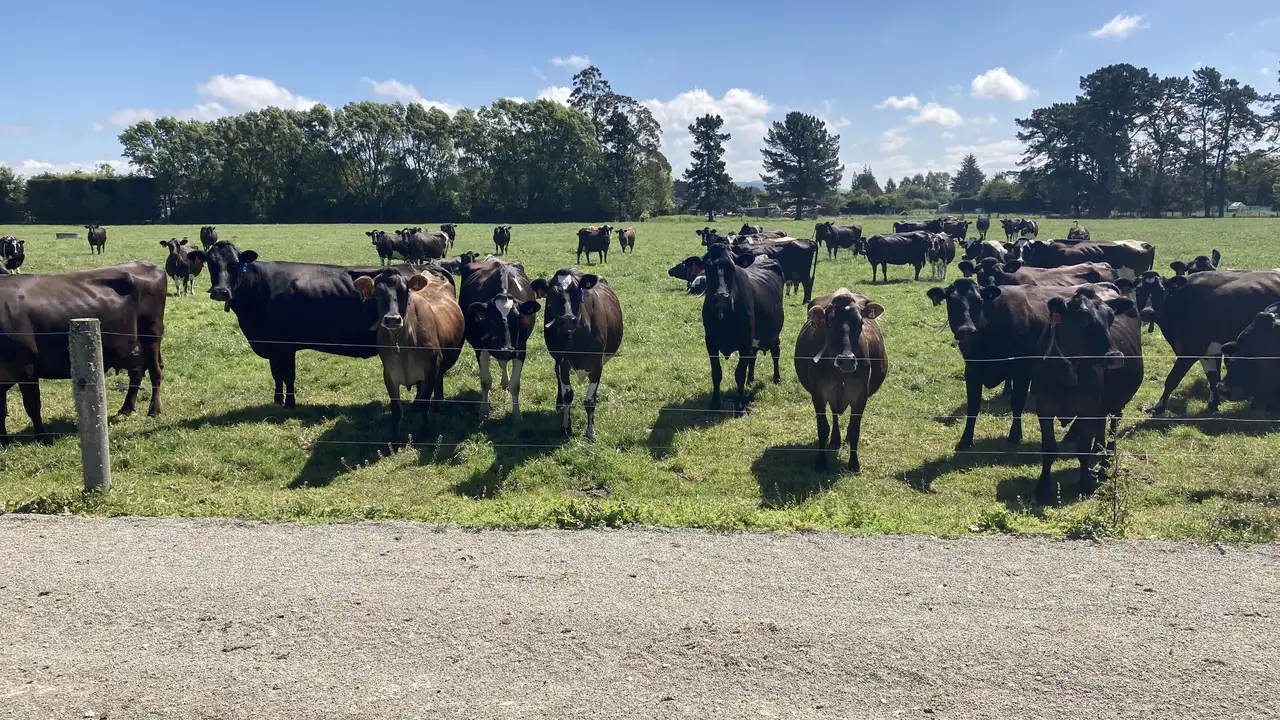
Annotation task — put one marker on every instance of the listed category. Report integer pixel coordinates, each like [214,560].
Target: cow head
[449,228]
[1251,360]
[1080,330]
[721,268]
[840,326]
[564,295]
[228,266]
[1151,292]
[966,309]
[173,244]
[1203,263]
[683,270]
[390,291]
[709,236]
[499,324]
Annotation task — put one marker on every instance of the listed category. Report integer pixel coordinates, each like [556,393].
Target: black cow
[837,237]
[1090,368]
[897,249]
[1200,313]
[453,266]
[1253,362]
[1203,263]
[751,229]
[208,236]
[97,239]
[35,319]
[957,229]
[418,245]
[1015,227]
[13,252]
[497,299]
[501,239]
[1130,258]
[990,272]
[797,258]
[741,312]
[984,224]
[907,226]
[1028,229]
[388,245]
[182,265]
[582,326]
[710,235]
[450,231]
[284,307]
[978,250]
[594,239]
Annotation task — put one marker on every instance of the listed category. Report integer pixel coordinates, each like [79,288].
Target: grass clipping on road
[222,449]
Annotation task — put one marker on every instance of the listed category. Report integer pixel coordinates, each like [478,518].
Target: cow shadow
[786,476]
[1239,420]
[55,429]
[306,415]
[988,452]
[1018,493]
[690,413]
[537,435]
[359,436]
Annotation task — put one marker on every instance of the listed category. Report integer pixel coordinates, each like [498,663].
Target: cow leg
[277,374]
[31,401]
[397,412]
[604,256]
[4,414]
[506,381]
[131,397]
[422,401]
[1046,492]
[289,363]
[776,352]
[1087,447]
[564,396]
[516,366]
[1212,366]
[177,288]
[1018,403]
[154,366]
[751,369]
[973,402]
[808,289]
[717,374]
[1181,367]
[918,269]
[593,386]
[486,382]
[746,359]
[820,410]
[855,434]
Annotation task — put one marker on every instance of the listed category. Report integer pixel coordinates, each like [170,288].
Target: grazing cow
[208,236]
[497,299]
[450,231]
[908,226]
[418,245]
[501,239]
[284,307]
[797,258]
[182,265]
[990,272]
[1253,362]
[13,252]
[1078,232]
[454,265]
[1091,368]
[897,249]
[419,336]
[1129,257]
[594,239]
[840,359]
[582,326]
[957,229]
[741,312]
[627,239]
[1201,264]
[751,229]
[1198,314]
[97,238]
[984,224]
[837,237]
[694,284]
[35,318]
[997,330]
[942,252]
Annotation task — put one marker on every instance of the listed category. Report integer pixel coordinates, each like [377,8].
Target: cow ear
[966,267]
[247,257]
[744,261]
[1176,282]
[476,312]
[937,295]
[817,315]
[364,286]
[588,281]
[1178,267]
[539,287]
[164,243]
[529,307]
[419,281]
[1013,266]
[1217,257]
[1057,306]
[872,311]
[197,256]
[1229,349]
[695,264]
[1122,306]
[991,292]
[1125,286]
[184,242]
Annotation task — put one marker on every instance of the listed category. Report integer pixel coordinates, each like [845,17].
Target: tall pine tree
[711,186]
[802,161]
[969,178]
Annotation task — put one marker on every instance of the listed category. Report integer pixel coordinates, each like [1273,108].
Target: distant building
[769,211]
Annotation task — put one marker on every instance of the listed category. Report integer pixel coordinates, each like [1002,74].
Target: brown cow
[208,236]
[840,359]
[97,239]
[419,339]
[627,239]
[582,326]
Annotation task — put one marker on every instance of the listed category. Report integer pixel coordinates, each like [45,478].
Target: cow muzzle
[392,322]
[220,294]
[1148,314]
[847,363]
[1114,359]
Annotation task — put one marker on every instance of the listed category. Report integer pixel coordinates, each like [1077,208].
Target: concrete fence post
[89,387]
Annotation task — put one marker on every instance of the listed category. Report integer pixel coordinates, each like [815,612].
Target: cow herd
[1058,320]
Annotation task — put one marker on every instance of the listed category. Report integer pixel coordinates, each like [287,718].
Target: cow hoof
[854,465]
[777,379]
[566,433]
[591,436]
[290,404]
[1014,439]
[964,444]
[44,438]
[153,413]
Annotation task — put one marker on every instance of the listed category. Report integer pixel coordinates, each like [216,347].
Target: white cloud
[1120,27]
[893,102]
[744,114]
[228,95]
[938,115]
[558,93]
[993,157]
[998,84]
[27,168]
[517,99]
[893,139]
[405,93]
[572,62]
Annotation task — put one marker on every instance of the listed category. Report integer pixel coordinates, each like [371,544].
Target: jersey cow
[627,240]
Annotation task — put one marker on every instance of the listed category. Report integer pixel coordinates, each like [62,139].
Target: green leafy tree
[866,180]
[801,161]
[969,178]
[889,185]
[711,187]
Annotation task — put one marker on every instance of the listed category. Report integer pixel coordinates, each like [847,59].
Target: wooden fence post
[89,387]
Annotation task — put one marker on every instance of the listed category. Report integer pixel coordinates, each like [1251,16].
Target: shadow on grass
[56,429]
[306,415]
[988,452]
[786,476]
[360,435]
[687,414]
[1019,493]
[537,435]
[1241,419]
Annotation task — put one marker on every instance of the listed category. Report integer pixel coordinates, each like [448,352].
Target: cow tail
[813,274]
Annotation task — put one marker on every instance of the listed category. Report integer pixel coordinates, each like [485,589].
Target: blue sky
[910,85]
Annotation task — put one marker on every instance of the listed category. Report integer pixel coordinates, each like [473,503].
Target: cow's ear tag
[1057,318]
[244,267]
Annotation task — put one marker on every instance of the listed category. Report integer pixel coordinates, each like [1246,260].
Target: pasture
[661,458]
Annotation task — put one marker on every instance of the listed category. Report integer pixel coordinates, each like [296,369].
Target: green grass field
[221,448]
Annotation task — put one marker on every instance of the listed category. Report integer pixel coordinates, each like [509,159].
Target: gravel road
[125,618]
